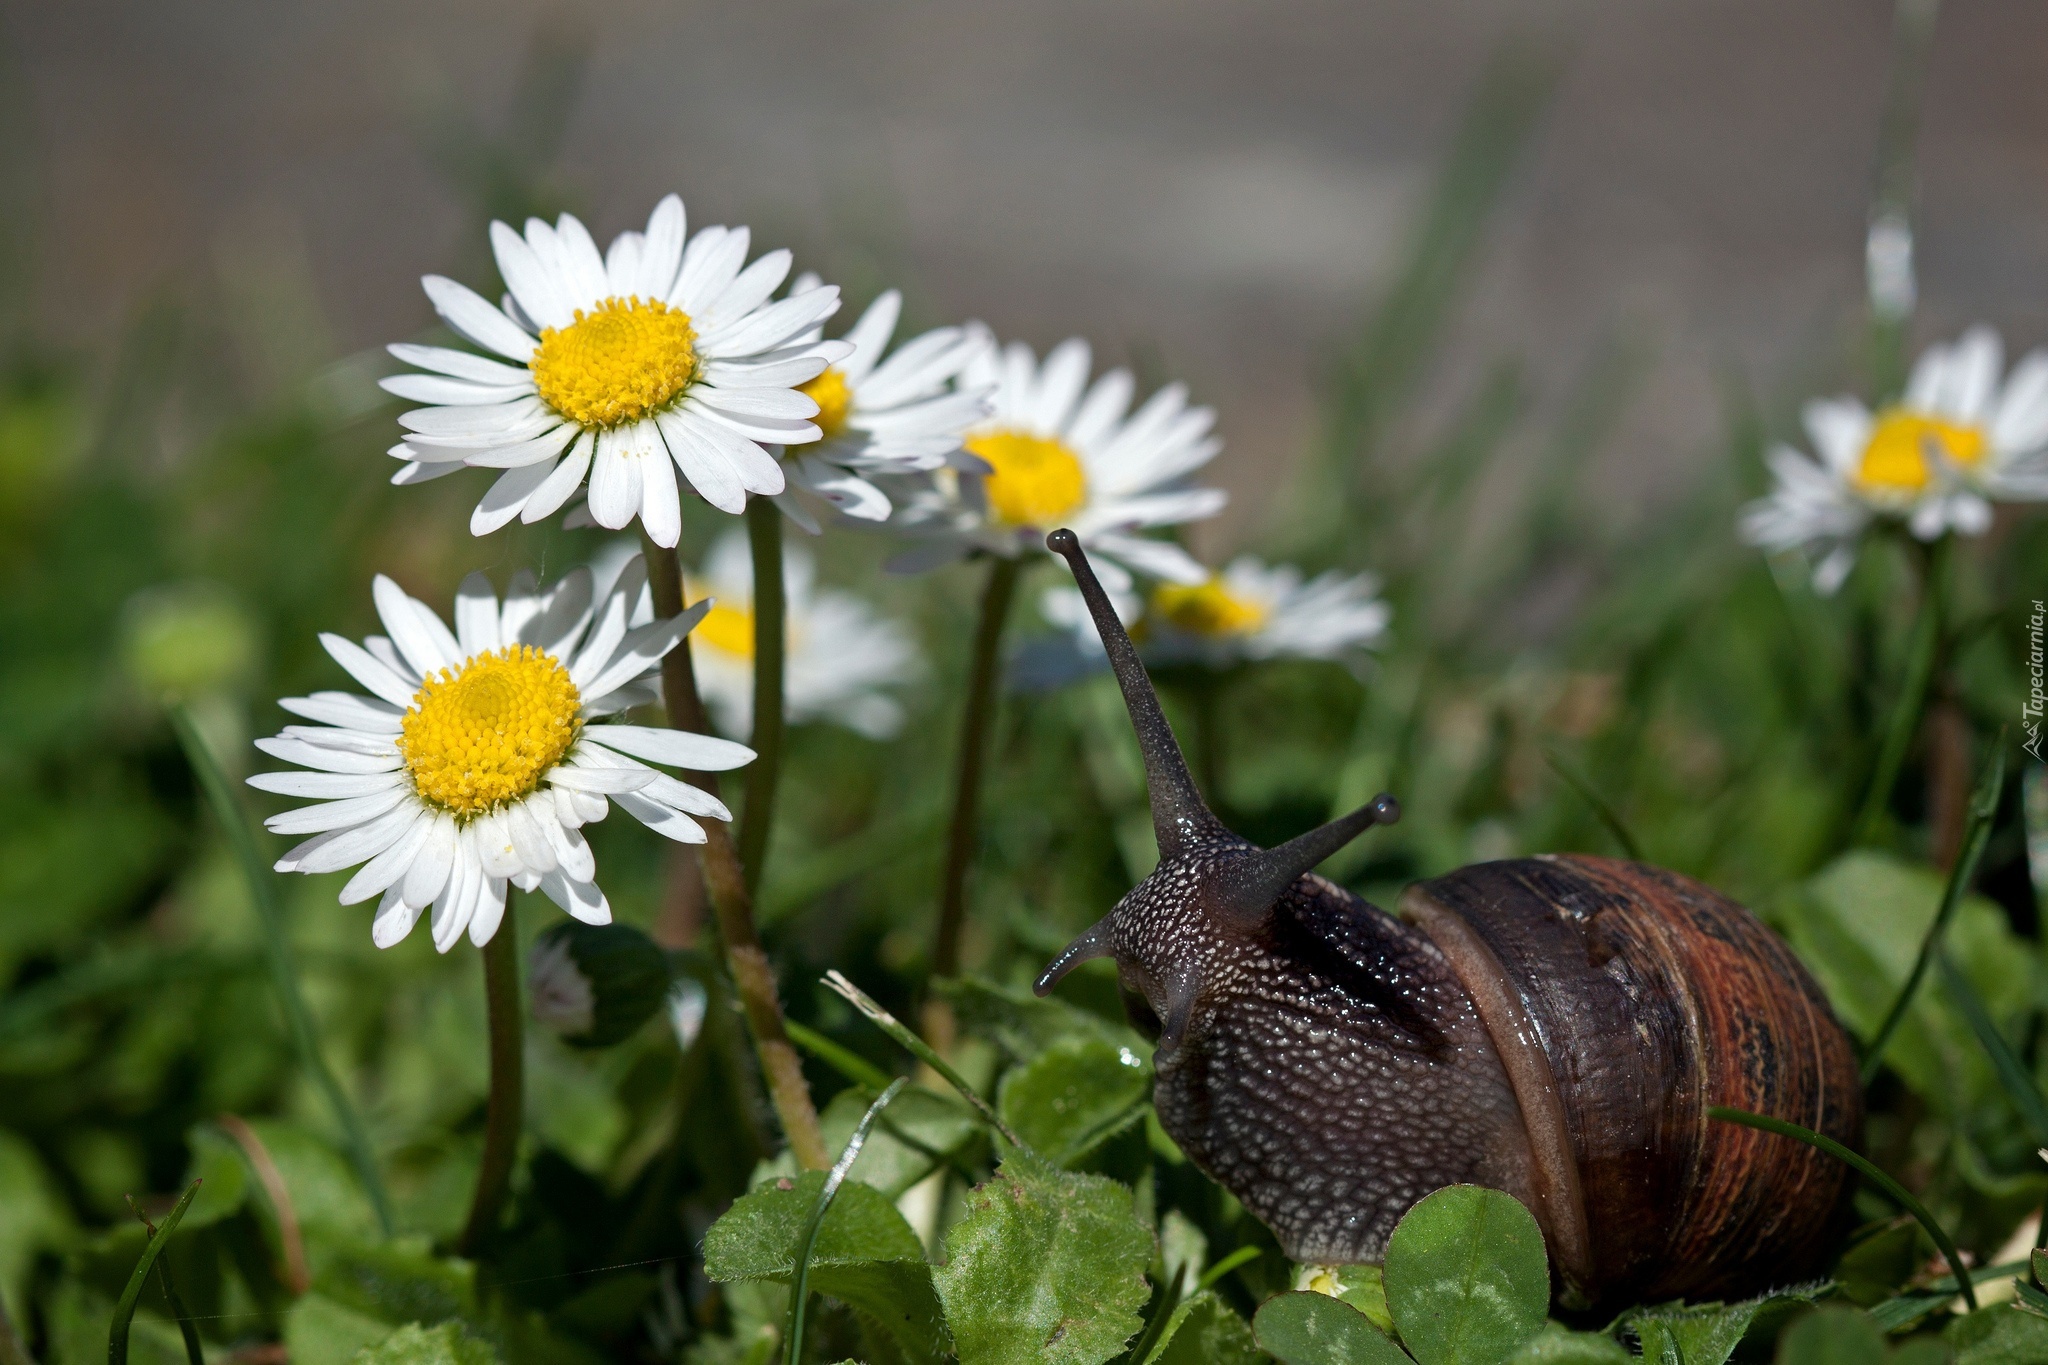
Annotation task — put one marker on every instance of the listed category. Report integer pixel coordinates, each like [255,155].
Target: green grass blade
[845,1061]
[800,1283]
[2019,1084]
[1608,816]
[1869,1172]
[923,1051]
[1983,805]
[284,975]
[124,1310]
[1215,1273]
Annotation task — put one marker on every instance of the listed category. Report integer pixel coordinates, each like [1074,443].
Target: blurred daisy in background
[627,366]
[1957,441]
[842,653]
[1055,456]
[475,761]
[879,416]
[1249,611]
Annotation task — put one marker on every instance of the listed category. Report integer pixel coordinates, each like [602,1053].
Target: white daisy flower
[1251,610]
[893,416]
[841,654]
[475,760]
[1056,457]
[1935,460]
[619,364]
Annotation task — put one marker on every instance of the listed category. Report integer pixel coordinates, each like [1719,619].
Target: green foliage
[865,1255]
[447,1344]
[1204,1330]
[1467,1280]
[1307,1328]
[1708,1334]
[1075,1096]
[1842,1336]
[1556,1345]
[1044,1265]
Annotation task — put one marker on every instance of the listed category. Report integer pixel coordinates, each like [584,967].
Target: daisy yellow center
[616,363]
[484,734]
[729,630]
[1896,458]
[1208,608]
[834,398]
[1035,481]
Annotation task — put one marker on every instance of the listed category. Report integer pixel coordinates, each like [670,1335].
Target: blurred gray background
[1217,191]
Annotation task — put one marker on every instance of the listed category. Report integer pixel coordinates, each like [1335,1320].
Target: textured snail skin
[1330,1071]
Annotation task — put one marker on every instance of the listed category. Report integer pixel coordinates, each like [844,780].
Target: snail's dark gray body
[1555,1027]
[1332,1071]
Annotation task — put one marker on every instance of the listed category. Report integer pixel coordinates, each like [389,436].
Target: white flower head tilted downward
[655,356]
[1251,610]
[474,762]
[1958,440]
[882,413]
[842,655]
[1052,455]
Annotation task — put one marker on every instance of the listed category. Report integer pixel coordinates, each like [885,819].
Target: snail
[1555,1027]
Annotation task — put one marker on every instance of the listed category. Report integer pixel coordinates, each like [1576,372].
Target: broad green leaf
[865,1255]
[223,1171]
[1555,1345]
[319,1331]
[1859,924]
[1832,1335]
[1707,1334]
[325,1192]
[1204,1330]
[1024,1025]
[1045,1266]
[1999,1336]
[1467,1280]
[1303,1327]
[1362,1286]
[1879,1265]
[395,1282]
[1074,1096]
[448,1344]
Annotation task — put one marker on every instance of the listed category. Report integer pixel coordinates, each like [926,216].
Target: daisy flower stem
[975,724]
[1905,720]
[508,1085]
[284,973]
[753,977]
[764,538]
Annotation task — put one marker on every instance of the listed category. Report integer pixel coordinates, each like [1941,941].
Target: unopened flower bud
[594,984]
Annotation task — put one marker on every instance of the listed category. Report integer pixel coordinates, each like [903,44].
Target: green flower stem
[731,903]
[1983,806]
[124,1311]
[800,1287]
[771,639]
[1869,1172]
[975,723]
[284,975]
[507,1102]
[1905,721]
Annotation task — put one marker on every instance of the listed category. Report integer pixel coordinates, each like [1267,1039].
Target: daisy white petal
[663,820]
[394,920]
[470,314]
